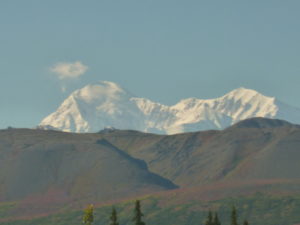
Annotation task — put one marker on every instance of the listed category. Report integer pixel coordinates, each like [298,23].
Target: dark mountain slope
[256,148]
[74,166]
[261,122]
[119,164]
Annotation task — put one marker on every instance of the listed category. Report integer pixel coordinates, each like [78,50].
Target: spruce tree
[113,217]
[233,216]
[88,216]
[216,220]
[137,219]
[209,219]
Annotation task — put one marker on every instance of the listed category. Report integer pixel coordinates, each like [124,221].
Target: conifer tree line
[88,215]
[212,218]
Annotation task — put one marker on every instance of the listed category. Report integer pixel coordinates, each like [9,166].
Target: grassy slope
[185,159]
[204,157]
[259,209]
[38,163]
[201,157]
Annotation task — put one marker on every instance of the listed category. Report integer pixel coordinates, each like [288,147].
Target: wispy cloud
[64,70]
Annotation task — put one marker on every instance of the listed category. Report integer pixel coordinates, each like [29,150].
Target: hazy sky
[164,50]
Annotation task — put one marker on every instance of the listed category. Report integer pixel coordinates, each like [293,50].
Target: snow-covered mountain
[106,104]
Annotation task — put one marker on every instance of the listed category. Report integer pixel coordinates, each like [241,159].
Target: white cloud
[65,70]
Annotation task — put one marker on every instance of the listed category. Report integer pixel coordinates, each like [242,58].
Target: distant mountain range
[106,104]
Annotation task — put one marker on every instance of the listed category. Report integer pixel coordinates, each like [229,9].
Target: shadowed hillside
[252,149]
[48,170]
[71,166]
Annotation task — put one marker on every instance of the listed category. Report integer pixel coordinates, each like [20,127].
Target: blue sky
[164,50]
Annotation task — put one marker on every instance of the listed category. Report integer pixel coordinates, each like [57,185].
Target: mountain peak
[105,104]
[101,91]
[243,93]
[243,89]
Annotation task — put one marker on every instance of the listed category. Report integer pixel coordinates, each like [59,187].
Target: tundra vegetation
[212,218]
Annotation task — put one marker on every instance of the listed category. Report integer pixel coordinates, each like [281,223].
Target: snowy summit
[106,104]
